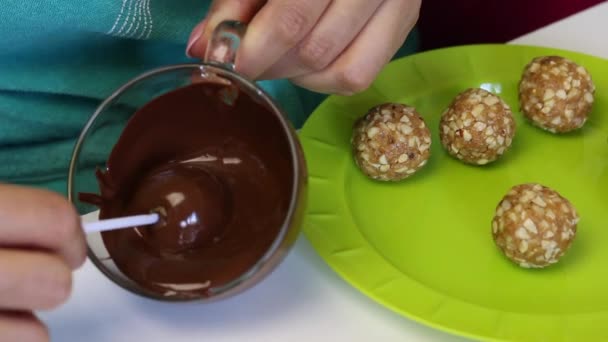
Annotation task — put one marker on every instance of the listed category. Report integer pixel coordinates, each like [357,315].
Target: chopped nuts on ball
[391,142]
[556,94]
[477,128]
[534,225]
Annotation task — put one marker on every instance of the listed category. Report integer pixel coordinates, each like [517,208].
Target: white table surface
[302,300]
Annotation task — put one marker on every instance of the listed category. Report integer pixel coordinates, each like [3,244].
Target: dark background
[456,22]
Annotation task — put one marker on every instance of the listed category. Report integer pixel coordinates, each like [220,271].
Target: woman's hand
[328,46]
[41,242]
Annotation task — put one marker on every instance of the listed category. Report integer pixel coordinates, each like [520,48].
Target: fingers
[241,10]
[33,280]
[327,46]
[41,240]
[33,218]
[195,47]
[275,30]
[358,66]
[339,25]
[22,327]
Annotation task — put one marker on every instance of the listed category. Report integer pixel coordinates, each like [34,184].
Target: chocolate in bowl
[221,174]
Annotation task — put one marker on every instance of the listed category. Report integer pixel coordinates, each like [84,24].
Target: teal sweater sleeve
[60,58]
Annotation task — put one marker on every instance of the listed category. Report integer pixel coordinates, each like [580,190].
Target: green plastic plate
[423,247]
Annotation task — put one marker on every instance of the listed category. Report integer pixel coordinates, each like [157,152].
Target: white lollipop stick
[119,223]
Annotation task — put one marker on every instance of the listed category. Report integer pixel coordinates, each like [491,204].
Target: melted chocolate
[221,177]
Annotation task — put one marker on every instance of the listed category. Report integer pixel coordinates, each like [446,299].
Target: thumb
[241,10]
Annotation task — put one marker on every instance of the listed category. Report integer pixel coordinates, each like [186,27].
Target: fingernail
[195,36]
